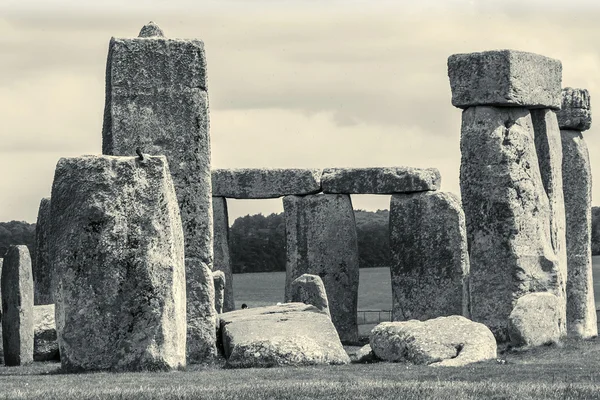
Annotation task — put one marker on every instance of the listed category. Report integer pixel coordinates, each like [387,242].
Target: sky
[311,83]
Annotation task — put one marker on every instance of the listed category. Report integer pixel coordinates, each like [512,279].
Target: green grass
[570,371]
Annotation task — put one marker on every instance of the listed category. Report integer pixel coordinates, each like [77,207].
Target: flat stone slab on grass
[505,78]
[380,180]
[575,113]
[536,320]
[264,183]
[291,334]
[442,342]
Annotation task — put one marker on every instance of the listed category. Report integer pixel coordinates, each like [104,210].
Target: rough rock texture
[535,320]
[219,283]
[364,355]
[291,334]
[505,78]
[116,241]
[42,273]
[381,180]
[549,152]
[222,260]
[151,30]
[17,306]
[430,262]
[445,342]
[45,342]
[577,188]
[265,183]
[309,289]
[576,113]
[157,100]
[201,312]
[507,214]
[321,240]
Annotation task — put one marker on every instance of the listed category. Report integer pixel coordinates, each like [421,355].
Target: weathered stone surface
[576,113]
[430,262]
[116,242]
[507,214]
[577,188]
[548,147]
[321,240]
[151,30]
[45,342]
[42,272]
[219,283]
[364,355]
[442,342]
[201,312]
[222,260]
[505,78]
[535,320]
[157,100]
[17,306]
[291,334]
[380,180]
[309,289]
[265,183]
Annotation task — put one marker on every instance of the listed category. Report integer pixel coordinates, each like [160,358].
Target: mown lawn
[571,371]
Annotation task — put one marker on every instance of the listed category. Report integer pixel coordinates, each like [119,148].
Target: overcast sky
[312,83]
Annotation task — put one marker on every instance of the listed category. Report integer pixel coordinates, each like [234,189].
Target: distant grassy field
[374,290]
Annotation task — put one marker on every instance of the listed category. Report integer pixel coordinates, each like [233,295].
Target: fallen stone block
[381,180]
[219,283]
[576,113]
[291,334]
[430,262]
[17,307]
[222,259]
[321,240]
[505,78]
[441,342]
[265,183]
[535,320]
[45,341]
[309,289]
[116,242]
[42,272]
[364,355]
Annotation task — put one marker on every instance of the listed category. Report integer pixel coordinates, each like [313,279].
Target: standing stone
[577,187]
[309,289]
[45,342]
[549,152]
[576,113]
[535,320]
[17,307]
[507,214]
[321,240]
[222,260]
[157,100]
[430,262]
[219,283]
[116,243]
[42,273]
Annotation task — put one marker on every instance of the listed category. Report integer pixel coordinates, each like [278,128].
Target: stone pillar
[309,289]
[116,243]
[42,273]
[222,261]
[321,240]
[574,118]
[219,283]
[17,307]
[507,210]
[157,100]
[430,263]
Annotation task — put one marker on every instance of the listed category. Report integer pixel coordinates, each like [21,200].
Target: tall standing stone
[577,187]
[222,260]
[42,273]
[549,153]
[309,289]
[116,243]
[430,262]
[219,284]
[17,307]
[321,240]
[157,100]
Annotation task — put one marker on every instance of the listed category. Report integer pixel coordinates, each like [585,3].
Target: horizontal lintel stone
[380,180]
[505,78]
[265,183]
